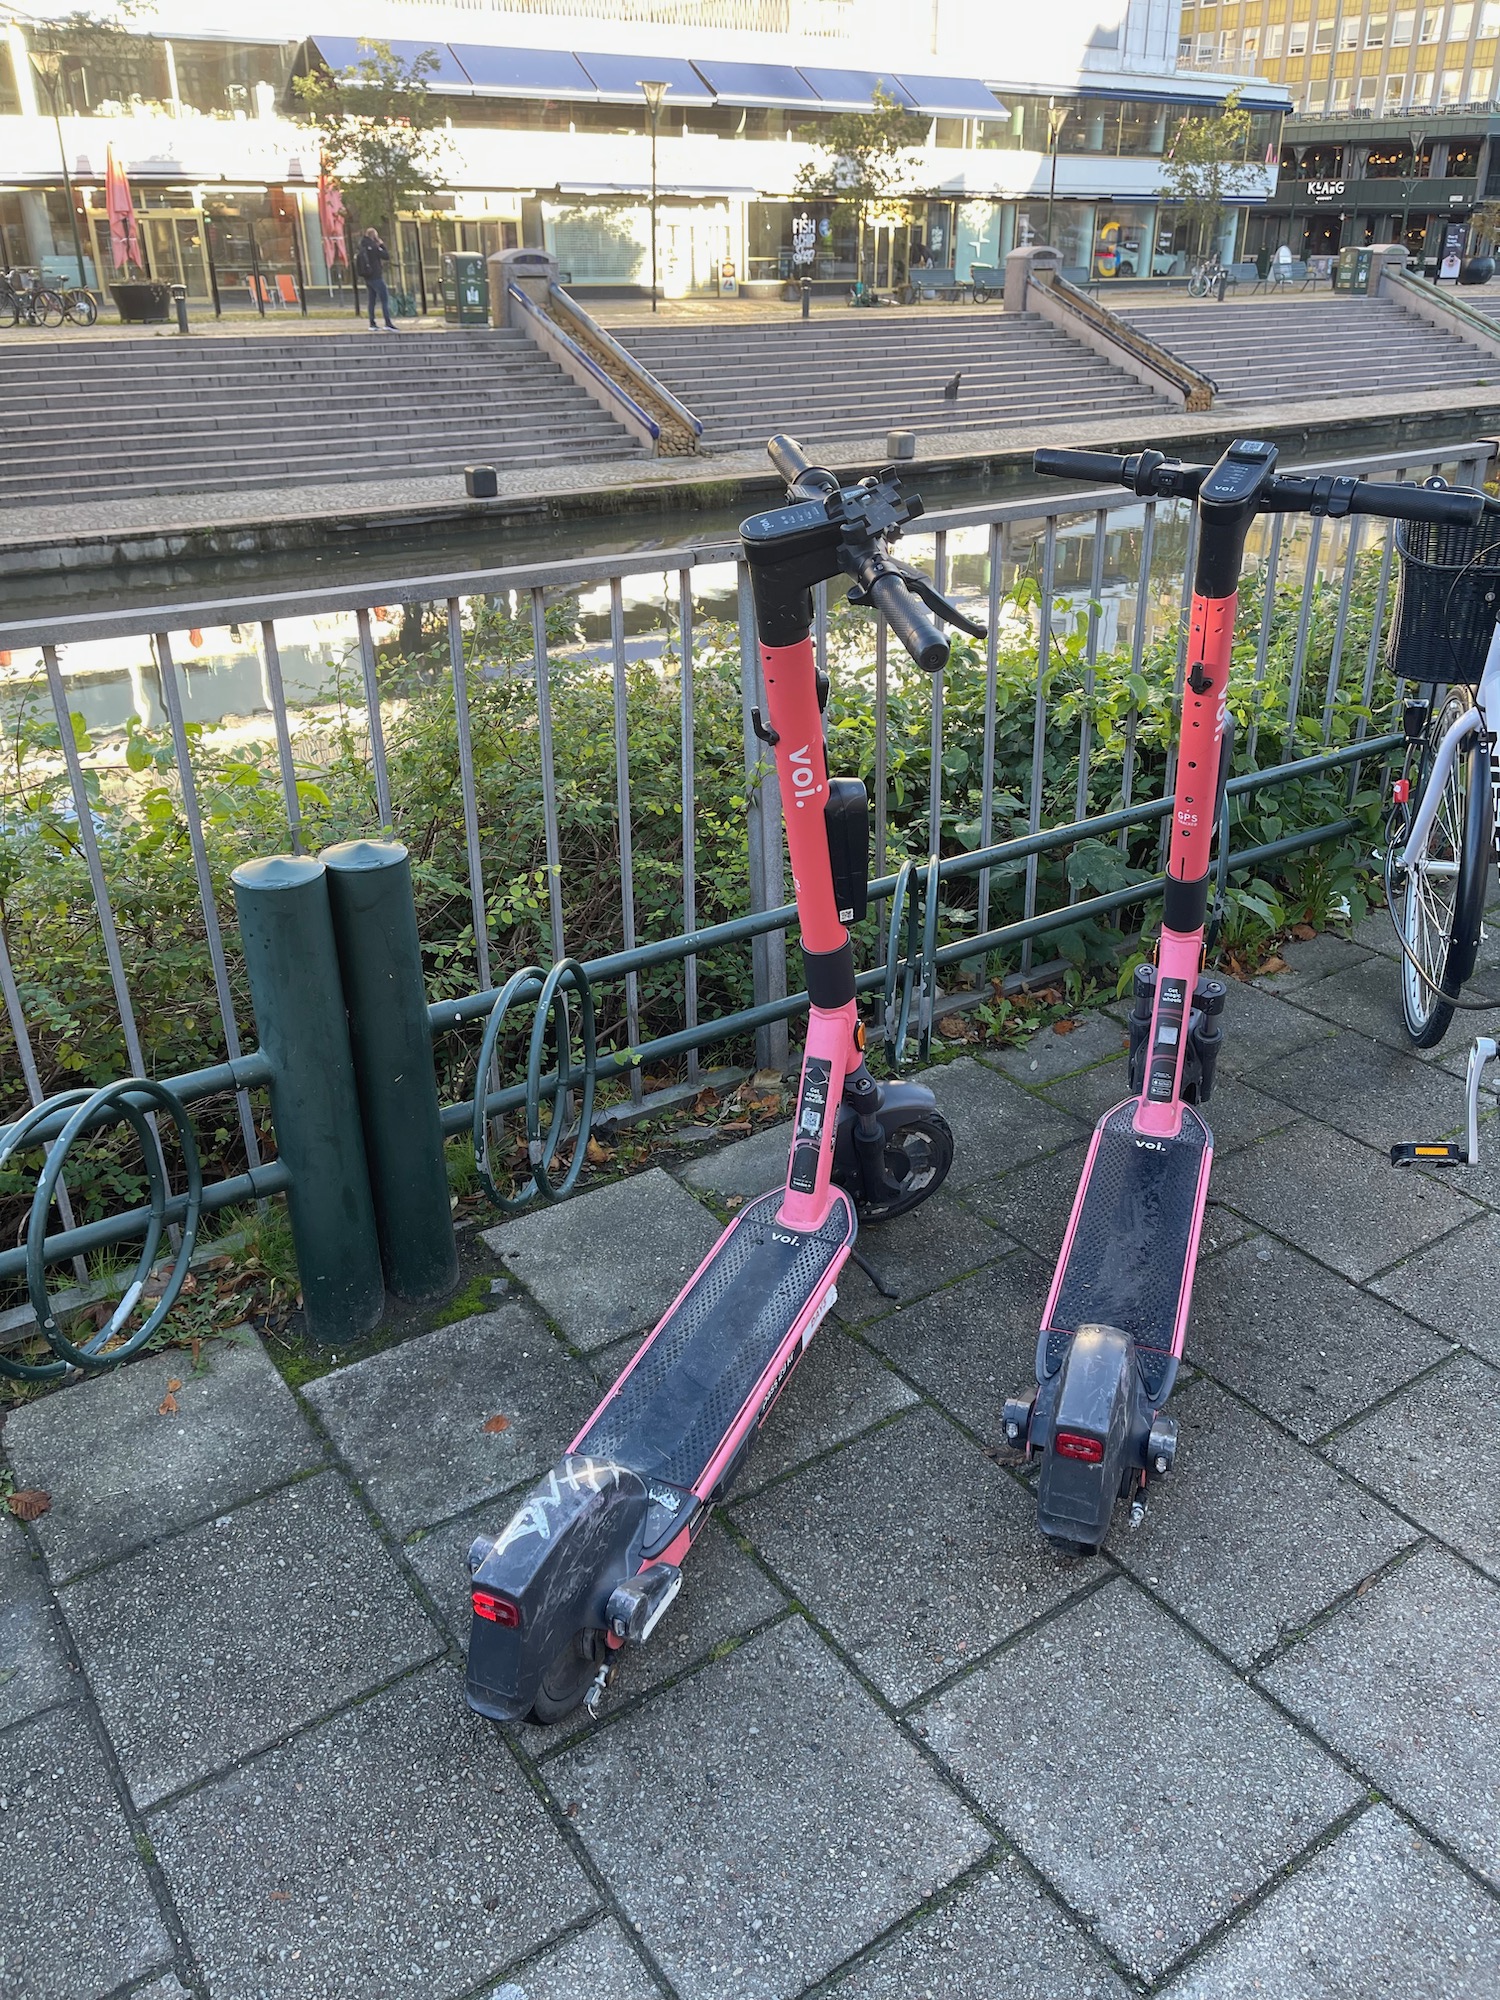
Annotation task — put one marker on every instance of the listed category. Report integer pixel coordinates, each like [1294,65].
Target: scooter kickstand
[885,1291]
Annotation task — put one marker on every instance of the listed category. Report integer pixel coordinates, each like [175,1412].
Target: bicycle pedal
[1411,1154]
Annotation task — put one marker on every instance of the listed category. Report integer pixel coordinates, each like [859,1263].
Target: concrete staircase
[846,374]
[214,413]
[1271,350]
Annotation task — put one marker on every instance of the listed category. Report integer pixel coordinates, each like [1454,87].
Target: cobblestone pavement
[885,1744]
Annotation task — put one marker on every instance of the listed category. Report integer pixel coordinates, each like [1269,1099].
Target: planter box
[142,302]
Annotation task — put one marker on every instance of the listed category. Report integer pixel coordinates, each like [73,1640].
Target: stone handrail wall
[680,429]
[1440,308]
[1084,319]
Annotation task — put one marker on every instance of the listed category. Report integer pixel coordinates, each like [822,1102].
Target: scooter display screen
[1171,1008]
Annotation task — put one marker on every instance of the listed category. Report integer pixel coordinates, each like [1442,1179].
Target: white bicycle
[1441,839]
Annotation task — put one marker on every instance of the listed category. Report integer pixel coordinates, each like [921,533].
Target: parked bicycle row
[27,298]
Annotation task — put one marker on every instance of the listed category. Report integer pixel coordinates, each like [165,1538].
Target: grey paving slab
[34,1669]
[1366,1088]
[121,1472]
[1367,998]
[1435,1451]
[995,1123]
[1156,1799]
[1047,1054]
[1452,1286]
[1236,1113]
[1252,1535]
[609,1262]
[427,1867]
[80,1917]
[1313,958]
[1031,1204]
[724,1592]
[778,1821]
[1402,1682]
[210,1646]
[1303,1345]
[1379,1912]
[971,1346]
[839,1388]
[915,1550]
[1481,1182]
[1340,1201]
[411,1421]
[1259,1027]
[747,1168]
[594,1964]
[915,1253]
[168,1987]
[999,1937]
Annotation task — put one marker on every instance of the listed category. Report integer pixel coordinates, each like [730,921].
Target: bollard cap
[350,856]
[277,871]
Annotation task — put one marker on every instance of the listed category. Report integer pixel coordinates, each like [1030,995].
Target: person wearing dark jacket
[370,260]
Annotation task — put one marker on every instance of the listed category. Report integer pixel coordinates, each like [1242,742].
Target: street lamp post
[48,65]
[653,94]
[1056,119]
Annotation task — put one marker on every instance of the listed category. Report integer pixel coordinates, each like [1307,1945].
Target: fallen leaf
[597,1155]
[572,1808]
[167,1407]
[174,1383]
[1304,933]
[1065,1027]
[735,1125]
[1275,963]
[30,1504]
[494,1425]
[281,1896]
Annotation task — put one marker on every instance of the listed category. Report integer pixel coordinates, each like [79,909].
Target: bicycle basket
[1447,601]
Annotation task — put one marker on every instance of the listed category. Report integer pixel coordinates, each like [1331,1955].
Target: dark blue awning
[951,96]
[620,78]
[546,73]
[852,89]
[775,84]
[343,52]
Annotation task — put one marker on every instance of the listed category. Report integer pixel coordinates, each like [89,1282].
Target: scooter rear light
[1079,1445]
[498,1610]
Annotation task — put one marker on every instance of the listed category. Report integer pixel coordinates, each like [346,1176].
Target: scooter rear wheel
[919,1155]
[569,1677]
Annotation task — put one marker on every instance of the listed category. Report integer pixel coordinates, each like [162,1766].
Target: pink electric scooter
[593,1556]
[1116,1316]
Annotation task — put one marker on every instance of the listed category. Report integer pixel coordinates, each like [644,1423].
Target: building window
[1349,34]
[1276,34]
[1226,44]
[1401,29]
[1296,42]
[1185,48]
[1460,22]
[1489,19]
[1341,88]
[1317,96]
[1393,86]
[1452,86]
[1205,48]
[1480,85]
[1432,23]
[1365,97]
[1323,38]
[1249,45]
[1421,87]
[1375,32]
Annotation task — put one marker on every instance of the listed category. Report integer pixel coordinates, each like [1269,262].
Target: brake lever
[880,562]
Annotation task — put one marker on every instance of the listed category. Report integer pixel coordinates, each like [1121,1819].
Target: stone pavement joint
[886,1746]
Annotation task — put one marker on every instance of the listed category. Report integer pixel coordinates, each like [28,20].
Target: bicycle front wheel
[82,308]
[48,309]
[10,306]
[1443,893]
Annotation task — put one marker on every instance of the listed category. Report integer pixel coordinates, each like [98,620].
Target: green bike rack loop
[380,959]
[286,930]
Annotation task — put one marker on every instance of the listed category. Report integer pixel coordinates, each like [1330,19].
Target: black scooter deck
[1135,1231]
[679,1402]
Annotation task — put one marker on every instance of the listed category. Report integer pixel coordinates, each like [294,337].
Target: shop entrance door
[887,247]
[173,246]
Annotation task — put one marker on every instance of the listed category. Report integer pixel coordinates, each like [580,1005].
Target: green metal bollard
[286,930]
[380,956]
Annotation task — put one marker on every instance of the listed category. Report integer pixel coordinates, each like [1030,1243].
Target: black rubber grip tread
[1458,507]
[788,457]
[1130,1249]
[830,975]
[1057,464]
[679,1402]
[904,614]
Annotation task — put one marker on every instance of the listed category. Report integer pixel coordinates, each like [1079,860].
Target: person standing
[370,260]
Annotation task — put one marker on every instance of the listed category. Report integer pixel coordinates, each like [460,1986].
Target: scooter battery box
[847,817]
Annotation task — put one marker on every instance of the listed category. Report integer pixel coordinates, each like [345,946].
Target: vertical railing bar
[542,675]
[1336,655]
[763,798]
[1137,657]
[1263,639]
[271,654]
[372,710]
[1039,720]
[1090,656]
[172,695]
[1304,620]
[32,1075]
[991,702]
[689,811]
[469,792]
[622,820]
[935,721]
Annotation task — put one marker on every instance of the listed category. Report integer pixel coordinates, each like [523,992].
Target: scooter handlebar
[926,643]
[1099,465]
[1460,507]
[788,457]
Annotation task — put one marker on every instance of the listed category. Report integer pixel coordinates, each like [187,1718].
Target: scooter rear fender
[575,1536]
[1091,1397]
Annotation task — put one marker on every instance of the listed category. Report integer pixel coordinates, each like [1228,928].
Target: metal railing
[1108,568]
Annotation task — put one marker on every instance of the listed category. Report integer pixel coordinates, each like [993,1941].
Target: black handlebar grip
[1079,465]
[1459,507]
[927,645]
[788,457]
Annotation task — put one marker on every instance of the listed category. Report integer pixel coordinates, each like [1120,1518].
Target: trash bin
[466,289]
[1352,273]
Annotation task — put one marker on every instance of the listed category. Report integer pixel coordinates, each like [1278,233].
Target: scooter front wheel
[569,1677]
[917,1155]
